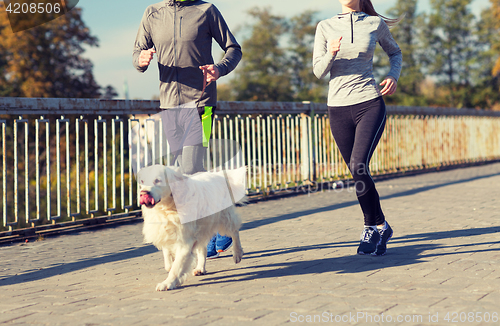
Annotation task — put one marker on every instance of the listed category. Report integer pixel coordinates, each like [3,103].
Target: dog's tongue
[146,199]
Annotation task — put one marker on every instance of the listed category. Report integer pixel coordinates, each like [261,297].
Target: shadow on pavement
[404,255]
[439,185]
[35,275]
[398,256]
[290,216]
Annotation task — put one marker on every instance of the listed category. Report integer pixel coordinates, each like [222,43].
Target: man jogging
[180,32]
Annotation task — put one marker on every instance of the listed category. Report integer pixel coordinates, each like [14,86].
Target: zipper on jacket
[352,31]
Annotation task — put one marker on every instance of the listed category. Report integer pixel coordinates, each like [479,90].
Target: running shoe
[385,236]
[369,240]
[223,243]
[211,252]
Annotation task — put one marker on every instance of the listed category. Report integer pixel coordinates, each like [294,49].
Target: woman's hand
[335,46]
[390,86]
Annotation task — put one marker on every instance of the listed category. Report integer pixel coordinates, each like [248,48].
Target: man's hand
[390,86]
[212,73]
[335,46]
[145,57]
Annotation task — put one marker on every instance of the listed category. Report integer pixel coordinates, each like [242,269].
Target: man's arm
[226,40]
[143,47]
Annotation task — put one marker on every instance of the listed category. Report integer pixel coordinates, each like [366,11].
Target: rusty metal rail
[68,161]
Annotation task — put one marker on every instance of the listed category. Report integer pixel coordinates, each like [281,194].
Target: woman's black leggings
[357,130]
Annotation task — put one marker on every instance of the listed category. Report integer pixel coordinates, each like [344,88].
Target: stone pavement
[300,265]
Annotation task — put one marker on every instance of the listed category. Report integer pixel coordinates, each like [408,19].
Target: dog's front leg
[167,256]
[237,250]
[181,264]
[201,257]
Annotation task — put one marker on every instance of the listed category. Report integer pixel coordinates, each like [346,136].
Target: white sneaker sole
[213,257]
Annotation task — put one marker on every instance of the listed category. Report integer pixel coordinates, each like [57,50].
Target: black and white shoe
[385,236]
[369,240]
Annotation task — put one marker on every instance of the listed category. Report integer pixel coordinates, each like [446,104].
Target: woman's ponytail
[366,6]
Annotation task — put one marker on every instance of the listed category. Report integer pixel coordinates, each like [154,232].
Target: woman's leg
[357,130]
[370,121]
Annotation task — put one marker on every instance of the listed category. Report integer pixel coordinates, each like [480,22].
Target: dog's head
[154,184]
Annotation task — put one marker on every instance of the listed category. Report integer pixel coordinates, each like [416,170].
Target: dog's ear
[172,175]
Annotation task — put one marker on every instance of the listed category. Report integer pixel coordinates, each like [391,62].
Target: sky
[115,24]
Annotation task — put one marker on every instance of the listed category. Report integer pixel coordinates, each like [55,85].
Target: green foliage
[485,90]
[46,61]
[270,71]
[262,73]
[306,87]
[449,57]
[109,93]
[495,12]
[406,34]
[48,162]
[447,37]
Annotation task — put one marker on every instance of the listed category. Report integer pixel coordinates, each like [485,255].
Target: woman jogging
[343,47]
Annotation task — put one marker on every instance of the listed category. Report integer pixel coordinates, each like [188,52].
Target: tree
[277,61]
[451,48]
[109,93]
[263,73]
[46,61]
[4,87]
[495,10]
[305,86]
[406,34]
[224,93]
[486,89]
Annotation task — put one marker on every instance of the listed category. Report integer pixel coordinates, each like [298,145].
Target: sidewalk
[300,265]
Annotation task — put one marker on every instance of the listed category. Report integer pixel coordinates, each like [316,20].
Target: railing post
[4,174]
[308,156]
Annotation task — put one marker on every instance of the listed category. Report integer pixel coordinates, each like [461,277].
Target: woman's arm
[323,53]
[392,49]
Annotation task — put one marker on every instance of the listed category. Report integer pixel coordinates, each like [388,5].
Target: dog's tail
[243,201]
[236,182]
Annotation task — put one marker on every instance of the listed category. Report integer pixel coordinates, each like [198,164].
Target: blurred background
[450,47]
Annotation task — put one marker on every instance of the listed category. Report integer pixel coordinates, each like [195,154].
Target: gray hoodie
[351,69]
[181,33]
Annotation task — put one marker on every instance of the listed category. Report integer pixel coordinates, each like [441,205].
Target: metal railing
[68,160]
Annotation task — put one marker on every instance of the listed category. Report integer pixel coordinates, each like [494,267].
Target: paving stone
[300,258]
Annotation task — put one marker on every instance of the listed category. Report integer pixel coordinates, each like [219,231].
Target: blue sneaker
[369,240]
[211,252]
[385,236]
[223,243]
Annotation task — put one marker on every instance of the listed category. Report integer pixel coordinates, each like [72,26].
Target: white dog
[181,213]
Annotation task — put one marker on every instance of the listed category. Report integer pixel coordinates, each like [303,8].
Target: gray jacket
[351,69]
[181,33]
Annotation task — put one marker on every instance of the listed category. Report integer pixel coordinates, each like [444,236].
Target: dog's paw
[161,287]
[237,257]
[199,272]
